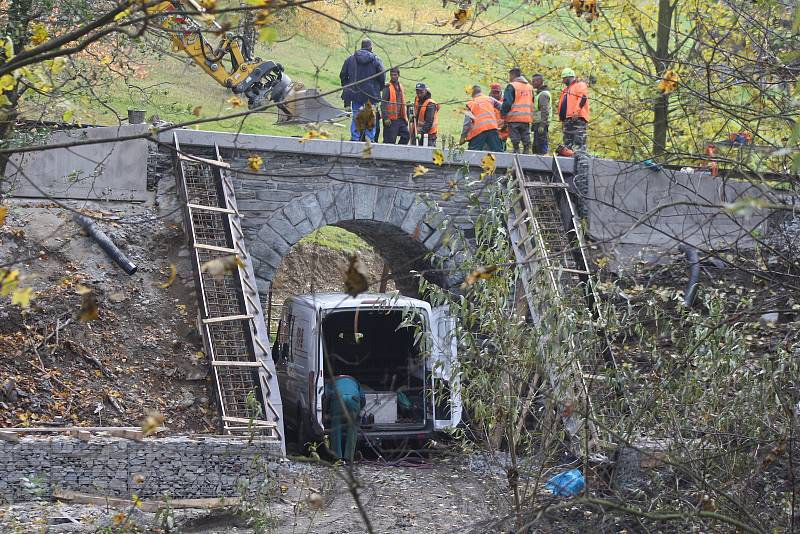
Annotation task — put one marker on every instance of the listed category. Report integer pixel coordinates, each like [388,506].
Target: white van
[400,350]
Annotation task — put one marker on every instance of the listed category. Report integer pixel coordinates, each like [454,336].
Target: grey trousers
[520,132]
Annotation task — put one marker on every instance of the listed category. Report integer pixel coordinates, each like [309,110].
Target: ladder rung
[545,184]
[519,218]
[576,271]
[210,208]
[214,248]
[233,363]
[198,159]
[255,422]
[227,318]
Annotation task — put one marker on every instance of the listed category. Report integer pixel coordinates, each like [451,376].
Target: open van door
[446,392]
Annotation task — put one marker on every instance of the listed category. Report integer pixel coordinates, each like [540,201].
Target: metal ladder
[547,245]
[230,318]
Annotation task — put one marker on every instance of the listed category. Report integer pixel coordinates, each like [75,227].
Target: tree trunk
[249,34]
[661,61]
[19,17]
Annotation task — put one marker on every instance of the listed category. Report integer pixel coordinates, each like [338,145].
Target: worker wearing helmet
[496,92]
[573,110]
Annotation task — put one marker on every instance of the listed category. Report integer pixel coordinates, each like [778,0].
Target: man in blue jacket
[364,70]
[344,401]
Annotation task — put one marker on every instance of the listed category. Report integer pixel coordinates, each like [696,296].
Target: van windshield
[382,352]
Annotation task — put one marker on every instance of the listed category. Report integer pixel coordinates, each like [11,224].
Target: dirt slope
[142,353]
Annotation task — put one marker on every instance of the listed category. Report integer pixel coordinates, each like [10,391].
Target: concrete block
[269,237]
[414,218]
[285,229]
[313,210]
[364,197]
[383,203]
[294,212]
[343,198]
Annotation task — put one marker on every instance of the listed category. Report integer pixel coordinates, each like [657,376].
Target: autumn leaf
[438,157]
[7,82]
[119,518]
[8,48]
[235,101]
[197,110]
[3,214]
[218,267]
[419,170]
[67,116]
[365,118]
[669,82]
[89,310]
[122,14]
[366,153]
[481,273]
[314,134]
[447,195]
[355,278]
[460,17]
[137,501]
[268,34]
[38,34]
[151,423]
[106,60]
[255,162]
[173,272]
[22,297]
[8,282]
[208,5]
[138,479]
[488,165]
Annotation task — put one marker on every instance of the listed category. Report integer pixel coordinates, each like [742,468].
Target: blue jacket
[361,66]
[345,386]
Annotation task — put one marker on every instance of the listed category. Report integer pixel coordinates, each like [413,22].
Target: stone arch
[401,227]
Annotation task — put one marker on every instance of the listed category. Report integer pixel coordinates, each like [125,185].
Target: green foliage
[335,238]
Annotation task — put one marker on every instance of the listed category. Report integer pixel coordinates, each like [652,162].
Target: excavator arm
[259,81]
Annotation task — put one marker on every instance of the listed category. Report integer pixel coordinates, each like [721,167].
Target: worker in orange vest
[573,110]
[517,110]
[496,92]
[426,117]
[480,122]
[393,110]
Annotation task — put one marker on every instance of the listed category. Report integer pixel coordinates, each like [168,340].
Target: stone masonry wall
[180,467]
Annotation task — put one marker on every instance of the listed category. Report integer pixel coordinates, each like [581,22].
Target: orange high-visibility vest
[396,108]
[483,117]
[573,93]
[421,114]
[502,130]
[522,108]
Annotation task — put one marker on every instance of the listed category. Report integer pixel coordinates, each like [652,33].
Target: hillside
[312,49]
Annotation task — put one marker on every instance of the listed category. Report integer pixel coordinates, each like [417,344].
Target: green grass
[335,238]
[174,87]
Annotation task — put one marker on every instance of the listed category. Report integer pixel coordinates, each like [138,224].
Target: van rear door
[444,370]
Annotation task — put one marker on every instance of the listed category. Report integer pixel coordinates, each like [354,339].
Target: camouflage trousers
[575,133]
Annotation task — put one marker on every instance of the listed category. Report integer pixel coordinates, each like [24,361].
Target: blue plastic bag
[566,484]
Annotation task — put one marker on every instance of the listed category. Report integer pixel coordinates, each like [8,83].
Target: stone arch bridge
[307,184]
